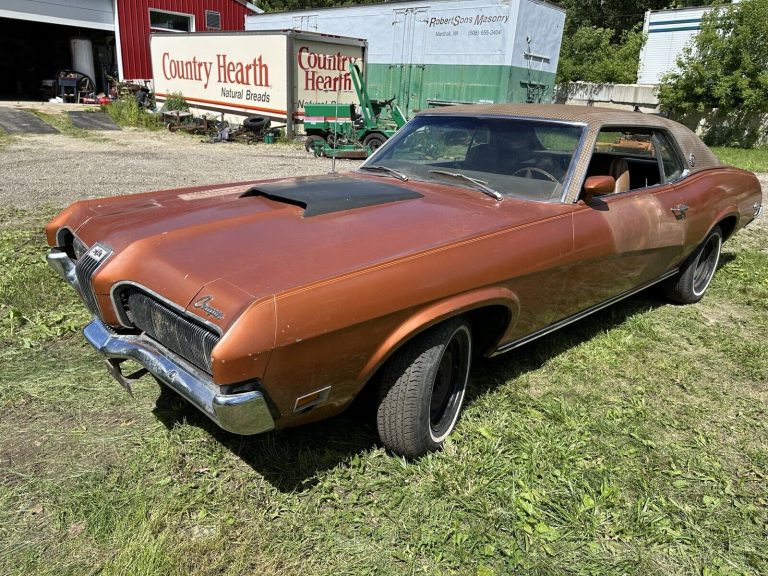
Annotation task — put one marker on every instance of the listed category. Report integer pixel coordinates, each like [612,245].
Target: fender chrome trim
[241,413]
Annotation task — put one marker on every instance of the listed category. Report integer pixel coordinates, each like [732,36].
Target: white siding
[669,31]
[420,32]
[98,14]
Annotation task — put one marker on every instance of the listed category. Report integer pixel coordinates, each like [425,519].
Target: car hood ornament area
[203,304]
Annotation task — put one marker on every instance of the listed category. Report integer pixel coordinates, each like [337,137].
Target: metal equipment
[351,130]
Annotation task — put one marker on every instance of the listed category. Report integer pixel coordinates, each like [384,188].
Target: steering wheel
[528,171]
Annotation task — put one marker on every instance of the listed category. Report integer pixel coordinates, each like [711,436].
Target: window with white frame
[163,21]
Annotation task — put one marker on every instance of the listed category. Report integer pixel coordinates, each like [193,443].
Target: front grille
[186,338]
[84,269]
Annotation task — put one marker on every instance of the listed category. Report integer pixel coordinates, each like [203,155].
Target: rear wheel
[422,389]
[373,141]
[689,285]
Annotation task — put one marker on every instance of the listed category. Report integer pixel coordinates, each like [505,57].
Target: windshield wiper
[391,171]
[479,184]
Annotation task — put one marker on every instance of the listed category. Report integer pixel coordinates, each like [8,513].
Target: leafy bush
[726,69]
[175,101]
[127,112]
[594,54]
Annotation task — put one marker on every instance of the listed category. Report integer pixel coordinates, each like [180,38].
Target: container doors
[304,22]
[409,27]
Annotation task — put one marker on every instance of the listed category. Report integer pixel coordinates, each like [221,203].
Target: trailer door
[409,27]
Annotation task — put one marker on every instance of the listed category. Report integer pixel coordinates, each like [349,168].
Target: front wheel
[689,285]
[422,389]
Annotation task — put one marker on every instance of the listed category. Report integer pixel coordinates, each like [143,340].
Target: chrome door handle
[679,211]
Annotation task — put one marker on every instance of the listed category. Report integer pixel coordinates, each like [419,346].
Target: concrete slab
[93,121]
[22,122]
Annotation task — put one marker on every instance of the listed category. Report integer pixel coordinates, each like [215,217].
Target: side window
[628,155]
[625,142]
[670,160]
[636,158]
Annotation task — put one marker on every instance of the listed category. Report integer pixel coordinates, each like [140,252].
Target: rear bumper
[241,413]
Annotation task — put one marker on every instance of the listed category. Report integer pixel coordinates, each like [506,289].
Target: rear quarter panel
[714,195]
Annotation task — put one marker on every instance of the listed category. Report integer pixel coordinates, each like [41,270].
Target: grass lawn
[752,159]
[634,442]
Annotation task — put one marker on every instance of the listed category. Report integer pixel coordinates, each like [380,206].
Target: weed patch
[34,305]
[63,123]
[5,139]
[126,112]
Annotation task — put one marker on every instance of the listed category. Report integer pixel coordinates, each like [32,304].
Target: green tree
[726,67]
[285,5]
[602,38]
[595,54]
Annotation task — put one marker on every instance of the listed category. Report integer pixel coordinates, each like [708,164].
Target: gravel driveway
[58,169]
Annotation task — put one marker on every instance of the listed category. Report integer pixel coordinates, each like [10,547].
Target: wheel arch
[727,223]
[495,309]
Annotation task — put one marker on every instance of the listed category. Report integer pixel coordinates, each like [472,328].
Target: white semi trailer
[435,53]
[266,73]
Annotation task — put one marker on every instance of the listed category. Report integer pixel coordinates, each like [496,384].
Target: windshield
[520,158]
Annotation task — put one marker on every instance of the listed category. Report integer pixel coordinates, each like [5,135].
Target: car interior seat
[619,169]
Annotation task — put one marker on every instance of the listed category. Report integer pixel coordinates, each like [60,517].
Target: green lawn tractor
[351,130]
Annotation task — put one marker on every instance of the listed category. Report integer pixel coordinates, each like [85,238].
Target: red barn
[137,18]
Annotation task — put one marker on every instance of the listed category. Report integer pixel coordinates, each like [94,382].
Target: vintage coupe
[473,230]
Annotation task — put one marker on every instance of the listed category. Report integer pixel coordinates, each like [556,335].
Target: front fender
[435,312]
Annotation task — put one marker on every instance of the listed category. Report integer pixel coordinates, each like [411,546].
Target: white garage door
[97,14]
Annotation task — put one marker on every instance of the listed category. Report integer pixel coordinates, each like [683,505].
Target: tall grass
[127,112]
[752,159]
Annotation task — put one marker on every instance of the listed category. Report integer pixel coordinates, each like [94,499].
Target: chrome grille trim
[84,271]
[120,290]
[180,335]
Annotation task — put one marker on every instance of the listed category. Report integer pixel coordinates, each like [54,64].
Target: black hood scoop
[324,195]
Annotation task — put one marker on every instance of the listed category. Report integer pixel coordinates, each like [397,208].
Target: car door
[631,237]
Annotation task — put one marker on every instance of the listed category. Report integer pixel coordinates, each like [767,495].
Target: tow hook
[113,367]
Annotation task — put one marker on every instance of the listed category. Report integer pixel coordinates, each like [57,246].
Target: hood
[260,240]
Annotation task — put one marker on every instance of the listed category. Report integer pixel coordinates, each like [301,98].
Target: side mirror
[596,186]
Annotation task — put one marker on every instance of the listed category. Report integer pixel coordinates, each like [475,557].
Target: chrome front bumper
[241,413]
[63,266]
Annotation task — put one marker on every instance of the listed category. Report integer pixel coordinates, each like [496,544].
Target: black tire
[373,141]
[256,123]
[309,143]
[422,389]
[689,285]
